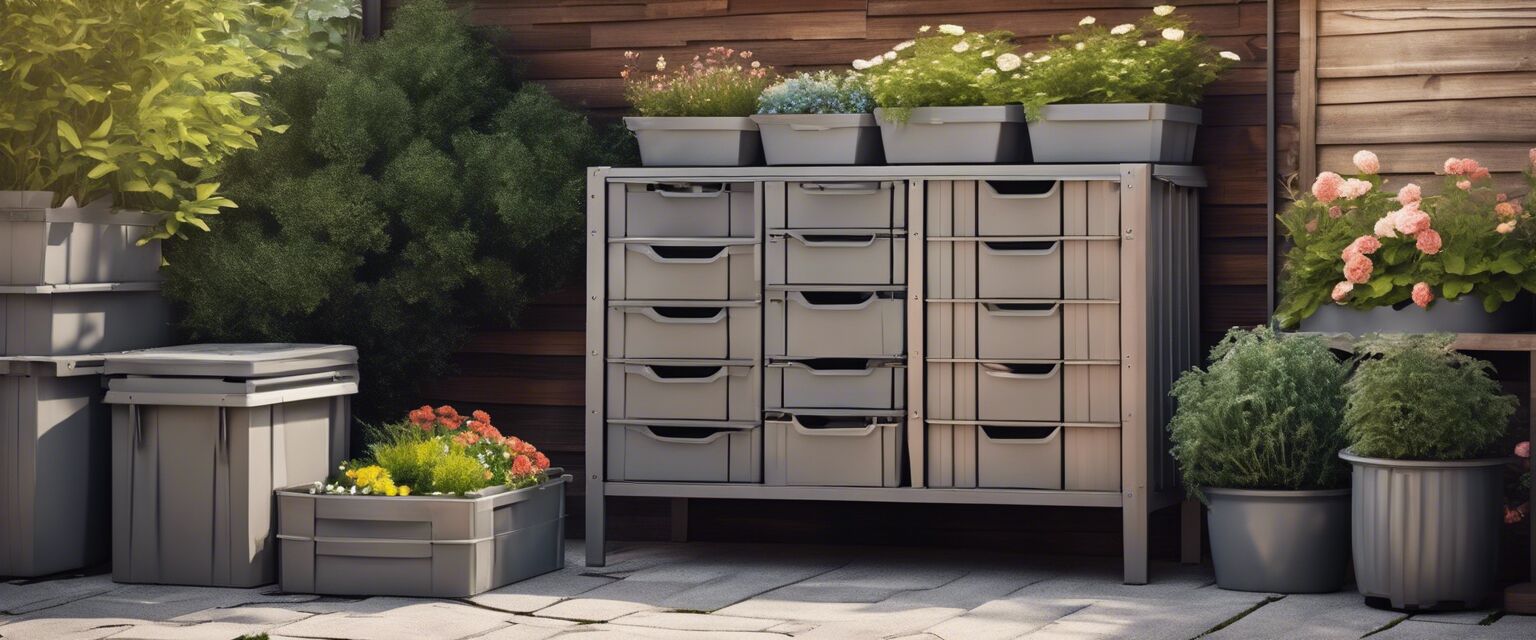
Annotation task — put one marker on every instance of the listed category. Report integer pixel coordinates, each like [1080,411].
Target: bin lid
[51,366]
[256,360]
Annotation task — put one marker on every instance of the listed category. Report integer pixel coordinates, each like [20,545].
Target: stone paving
[748,592]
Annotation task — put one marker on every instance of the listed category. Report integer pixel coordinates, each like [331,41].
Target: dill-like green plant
[1413,397]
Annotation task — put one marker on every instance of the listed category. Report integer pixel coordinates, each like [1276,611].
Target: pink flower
[1358,269]
[1312,226]
[1428,241]
[1328,187]
[1500,197]
[1409,194]
[1422,296]
[1367,162]
[1512,516]
[1532,154]
[1354,188]
[1473,169]
[1523,449]
[1464,185]
[1410,220]
[1453,166]
[1384,227]
[1341,291]
[1505,227]
[1335,212]
[1505,210]
[1362,246]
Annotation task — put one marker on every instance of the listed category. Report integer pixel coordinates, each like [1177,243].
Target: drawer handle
[700,192]
[833,300]
[1021,310]
[861,371]
[1021,189]
[685,435]
[841,188]
[832,240]
[832,429]
[681,315]
[681,255]
[1036,248]
[1007,372]
[677,374]
[1021,435]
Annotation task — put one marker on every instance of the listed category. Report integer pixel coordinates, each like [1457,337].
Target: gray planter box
[1462,315]
[1279,541]
[820,139]
[1144,132]
[1426,533]
[195,457]
[54,466]
[423,546]
[697,142]
[956,135]
[76,319]
[72,244]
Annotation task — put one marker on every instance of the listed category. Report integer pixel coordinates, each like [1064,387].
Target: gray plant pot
[956,135]
[1279,541]
[697,142]
[1462,315]
[1141,132]
[74,319]
[820,139]
[72,244]
[1426,533]
[426,546]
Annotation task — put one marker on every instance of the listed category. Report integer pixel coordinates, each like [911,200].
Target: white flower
[1141,43]
[1080,46]
[1163,9]
[890,55]
[923,29]
[987,54]
[1029,54]
[952,29]
[860,64]
[902,46]
[875,61]
[1173,34]
[661,63]
[1008,62]
[1230,56]
[988,72]
[961,47]
[1087,20]
[1043,59]
[1123,29]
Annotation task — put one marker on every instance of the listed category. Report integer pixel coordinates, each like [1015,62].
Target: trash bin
[201,436]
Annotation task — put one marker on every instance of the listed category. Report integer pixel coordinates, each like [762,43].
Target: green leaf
[68,133]
[101,170]
[1455,263]
[206,190]
[102,130]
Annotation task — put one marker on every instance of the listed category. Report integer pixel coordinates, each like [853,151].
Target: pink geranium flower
[1409,194]
[1362,246]
[1334,212]
[1505,227]
[1523,449]
[1367,162]
[1341,291]
[1385,227]
[1422,296]
[1428,241]
[1464,185]
[1453,166]
[1505,210]
[1410,220]
[1358,269]
[1354,188]
[1328,187]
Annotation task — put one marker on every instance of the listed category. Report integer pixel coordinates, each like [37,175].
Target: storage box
[1024,392]
[1000,208]
[837,257]
[71,244]
[684,330]
[75,319]
[683,270]
[697,141]
[877,204]
[682,210]
[833,451]
[671,451]
[1128,132]
[831,383]
[1018,207]
[835,324]
[195,459]
[420,546]
[1024,330]
[820,138]
[956,135]
[683,390]
[994,456]
[1024,269]
[54,466]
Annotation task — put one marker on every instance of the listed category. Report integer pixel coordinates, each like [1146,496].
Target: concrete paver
[1311,615]
[400,619]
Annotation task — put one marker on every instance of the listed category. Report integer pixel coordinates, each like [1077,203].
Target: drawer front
[1061,269]
[1015,208]
[840,452]
[685,392]
[1031,392]
[854,257]
[694,332]
[1019,207]
[683,454]
[835,383]
[1092,458]
[682,271]
[1010,457]
[835,324]
[1023,331]
[836,205]
[682,210]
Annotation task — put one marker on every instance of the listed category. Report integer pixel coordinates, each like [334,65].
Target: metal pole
[1269,160]
[373,19]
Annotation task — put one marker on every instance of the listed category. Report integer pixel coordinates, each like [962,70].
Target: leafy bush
[1266,414]
[946,67]
[822,92]
[722,82]
[1414,398]
[416,197]
[137,100]
[439,452]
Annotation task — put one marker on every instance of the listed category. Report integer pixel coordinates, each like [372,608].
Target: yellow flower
[404,490]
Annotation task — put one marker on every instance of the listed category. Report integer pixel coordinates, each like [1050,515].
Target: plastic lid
[232,360]
[51,366]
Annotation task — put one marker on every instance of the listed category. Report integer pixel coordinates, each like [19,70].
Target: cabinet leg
[596,534]
[679,519]
[1189,531]
[1135,530]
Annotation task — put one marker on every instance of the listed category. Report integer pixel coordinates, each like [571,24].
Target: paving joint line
[1234,619]
[1389,625]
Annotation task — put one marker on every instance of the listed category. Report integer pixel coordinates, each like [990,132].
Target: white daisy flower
[1080,46]
[923,29]
[1230,56]
[890,55]
[903,46]
[1043,59]
[1087,20]
[1123,29]
[1163,9]
[1141,43]
[860,64]
[1173,34]
[952,29]
[1008,62]
[961,47]
[987,54]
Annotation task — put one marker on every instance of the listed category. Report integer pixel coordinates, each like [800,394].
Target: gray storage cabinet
[978,334]
[78,319]
[201,436]
[54,466]
[70,244]
[420,546]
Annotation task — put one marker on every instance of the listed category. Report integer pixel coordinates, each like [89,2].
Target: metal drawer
[683,390]
[835,383]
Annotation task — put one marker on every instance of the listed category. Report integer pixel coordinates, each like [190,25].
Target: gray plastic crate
[684,330]
[72,244]
[809,450]
[876,204]
[833,383]
[1027,392]
[1025,208]
[683,270]
[1024,330]
[75,319]
[820,138]
[1018,208]
[54,466]
[683,390]
[697,141]
[682,210]
[835,324]
[671,451]
[195,459]
[837,257]
[420,546]
[994,456]
[1045,269]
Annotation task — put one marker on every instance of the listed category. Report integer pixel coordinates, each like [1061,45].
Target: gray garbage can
[201,436]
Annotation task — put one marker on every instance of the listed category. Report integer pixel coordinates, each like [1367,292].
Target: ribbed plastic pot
[1462,315]
[1138,132]
[1279,541]
[956,135]
[1426,533]
[697,142]
[820,139]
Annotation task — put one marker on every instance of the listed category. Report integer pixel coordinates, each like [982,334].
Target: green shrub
[1266,414]
[1414,398]
[409,461]
[417,195]
[457,473]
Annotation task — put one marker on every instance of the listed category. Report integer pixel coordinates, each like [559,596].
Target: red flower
[540,460]
[481,416]
[522,466]
[422,417]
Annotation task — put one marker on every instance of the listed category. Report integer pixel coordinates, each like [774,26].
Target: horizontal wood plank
[1421,87]
[508,390]
[832,25]
[1458,51]
[1510,120]
[528,343]
[1447,17]
[1422,158]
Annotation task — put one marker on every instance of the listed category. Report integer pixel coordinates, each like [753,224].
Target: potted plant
[1367,257]
[1257,436]
[698,113]
[932,107]
[1125,93]
[444,506]
[1428,500]
[820,118]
